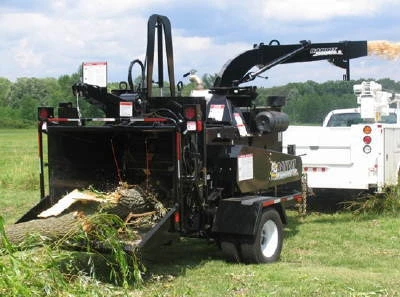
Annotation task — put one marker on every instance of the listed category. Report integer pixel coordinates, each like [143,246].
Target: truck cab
[351,116]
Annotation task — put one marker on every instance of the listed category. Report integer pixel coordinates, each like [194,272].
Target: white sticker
[245,167]
[240,125]
[216,112]
[191,126]
[95,73]
[125,109]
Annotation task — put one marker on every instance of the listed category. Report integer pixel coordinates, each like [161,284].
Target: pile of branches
[138,207]
[93,222]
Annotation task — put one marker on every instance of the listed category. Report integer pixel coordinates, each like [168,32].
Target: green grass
[19,172]
[323,254]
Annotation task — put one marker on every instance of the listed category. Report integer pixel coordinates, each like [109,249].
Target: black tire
[230,250]
[266,245]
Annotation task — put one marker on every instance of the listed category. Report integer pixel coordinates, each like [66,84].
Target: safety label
[245,167]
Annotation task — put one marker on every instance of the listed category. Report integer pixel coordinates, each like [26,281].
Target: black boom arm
[339,53]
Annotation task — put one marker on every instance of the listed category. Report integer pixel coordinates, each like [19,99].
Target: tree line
[307,103]
[310,102]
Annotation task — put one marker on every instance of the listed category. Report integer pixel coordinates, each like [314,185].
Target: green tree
[39,90]
[5,86]
[208,80]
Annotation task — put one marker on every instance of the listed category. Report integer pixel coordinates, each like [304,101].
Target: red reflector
[199,126]
[190,112]
[43,114]
[298,198]
[177,218]
[367,139]
[314,169]
[268,203]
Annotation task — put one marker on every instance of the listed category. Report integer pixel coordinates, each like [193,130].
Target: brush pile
[139,207]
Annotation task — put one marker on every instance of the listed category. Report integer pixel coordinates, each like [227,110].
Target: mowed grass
[19,172]
[323,254]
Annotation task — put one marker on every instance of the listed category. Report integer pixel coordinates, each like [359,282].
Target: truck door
[391,154]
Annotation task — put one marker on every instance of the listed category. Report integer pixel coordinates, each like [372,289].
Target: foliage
[10,118]
[49,270]
[124,267]
[5,86]
[21,274]
[310,102]
[209,79]
[387,202]
[44,271]
[307,103]
[19,100]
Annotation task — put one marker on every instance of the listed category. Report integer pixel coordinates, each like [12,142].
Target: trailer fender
[241,216]
[280,208]
[233,217]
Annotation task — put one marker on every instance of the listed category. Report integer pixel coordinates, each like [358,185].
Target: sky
[50,38]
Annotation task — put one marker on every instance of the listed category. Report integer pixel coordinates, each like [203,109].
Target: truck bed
[333,157]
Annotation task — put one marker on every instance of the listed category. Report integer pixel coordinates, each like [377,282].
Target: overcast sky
[49,38]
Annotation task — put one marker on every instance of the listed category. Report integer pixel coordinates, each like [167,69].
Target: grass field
[323,254]
[19,172]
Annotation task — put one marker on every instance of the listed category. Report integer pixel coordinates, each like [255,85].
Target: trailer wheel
[230,250]
[266,246]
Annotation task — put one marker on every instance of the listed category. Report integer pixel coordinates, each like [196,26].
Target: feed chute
[339,54]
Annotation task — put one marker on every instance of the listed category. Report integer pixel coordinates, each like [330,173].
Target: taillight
[189,113]
[45,113]
[192,114]
[367,139]
[367,129]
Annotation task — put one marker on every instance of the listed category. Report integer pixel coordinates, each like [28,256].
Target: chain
[302,206]
[78,109]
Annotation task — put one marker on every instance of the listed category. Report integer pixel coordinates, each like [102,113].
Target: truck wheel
[266,246]
[230,251]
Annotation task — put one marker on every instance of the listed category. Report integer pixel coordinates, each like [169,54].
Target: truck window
[348,119]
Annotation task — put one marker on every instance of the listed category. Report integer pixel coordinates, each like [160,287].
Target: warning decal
[245,167]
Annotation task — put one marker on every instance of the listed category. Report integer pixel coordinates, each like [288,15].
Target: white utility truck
[356,148]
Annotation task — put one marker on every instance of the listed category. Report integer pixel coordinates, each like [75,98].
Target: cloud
[51,45]
[25,56]
[317,10]
[52,38]
[205,54]
[103,8]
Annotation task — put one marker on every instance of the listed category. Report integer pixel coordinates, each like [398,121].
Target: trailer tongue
[216,164]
